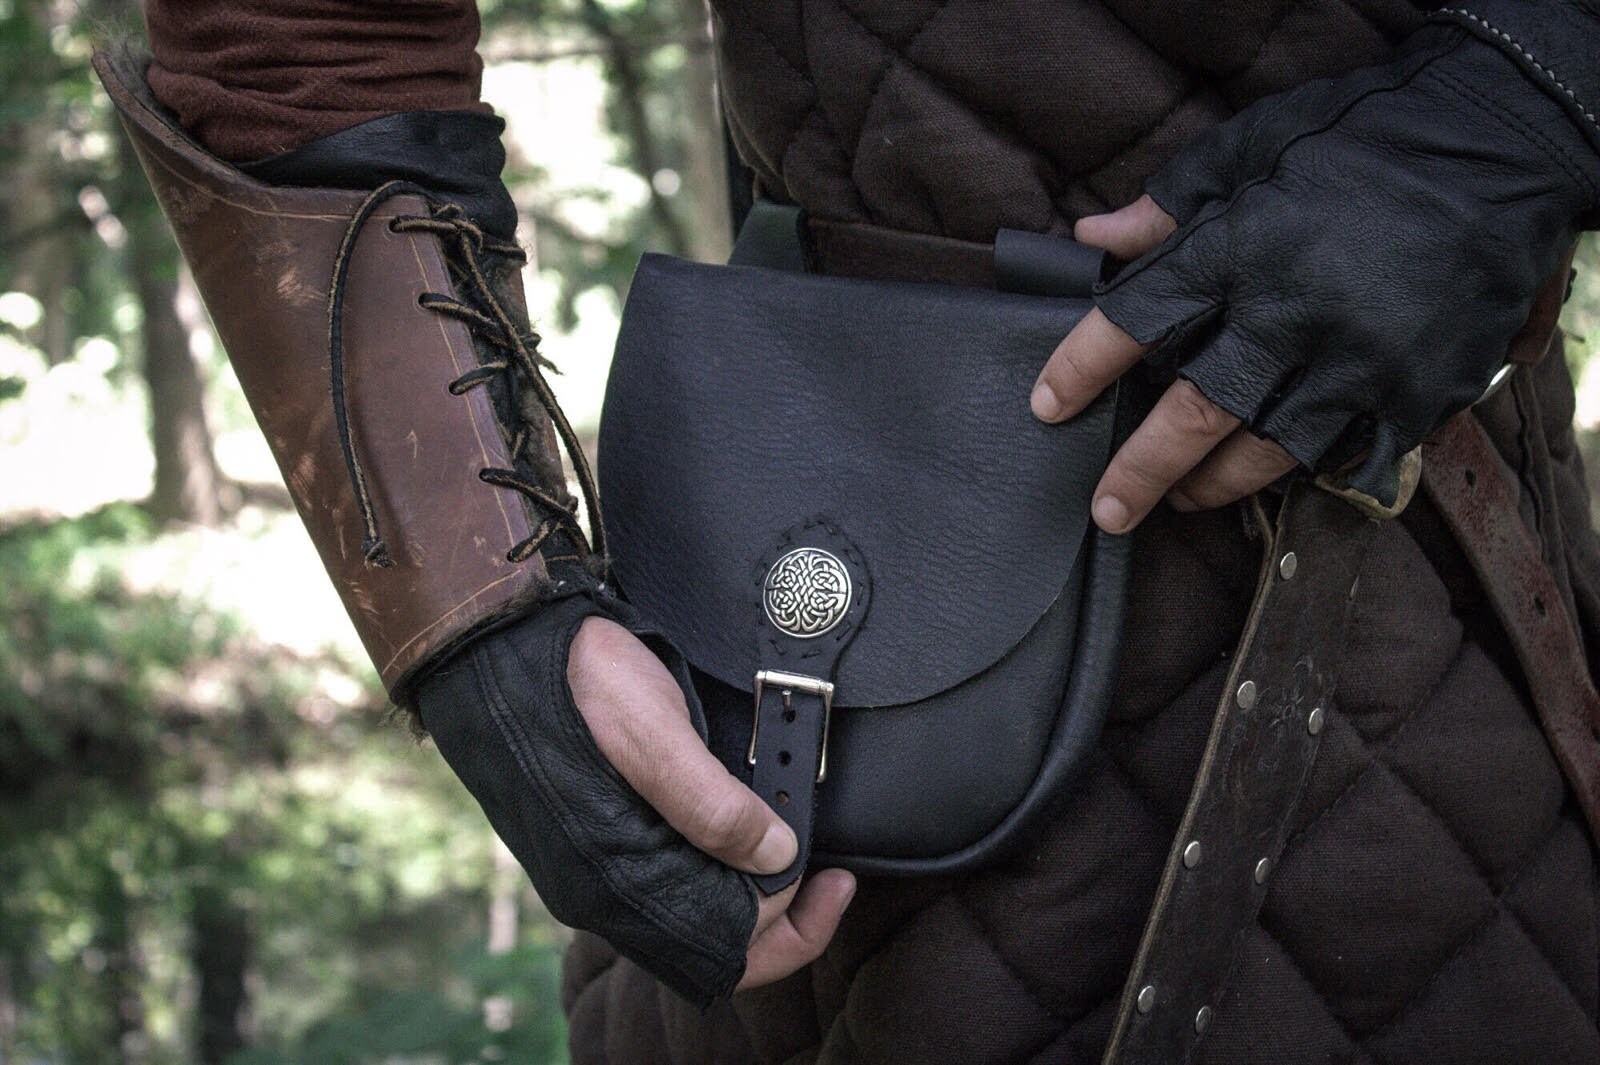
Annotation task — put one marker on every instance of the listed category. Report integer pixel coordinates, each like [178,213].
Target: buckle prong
[791,683]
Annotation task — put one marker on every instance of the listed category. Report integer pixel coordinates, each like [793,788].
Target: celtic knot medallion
[806,593]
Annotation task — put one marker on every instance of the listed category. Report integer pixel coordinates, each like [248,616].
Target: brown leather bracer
[263,257]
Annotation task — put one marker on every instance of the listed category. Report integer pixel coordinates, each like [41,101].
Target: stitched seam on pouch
[1490,27]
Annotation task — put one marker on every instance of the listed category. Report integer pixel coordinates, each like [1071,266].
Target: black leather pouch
[831,496]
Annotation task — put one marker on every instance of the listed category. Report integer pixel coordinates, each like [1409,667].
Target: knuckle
[1139,472]
[727,825]
[1068,375]
[1194,413]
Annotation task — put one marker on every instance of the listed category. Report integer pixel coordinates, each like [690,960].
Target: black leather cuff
[455,155]
[1555,42]
[601,859]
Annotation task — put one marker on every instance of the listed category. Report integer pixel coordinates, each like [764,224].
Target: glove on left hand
[503,716]
[1354,256]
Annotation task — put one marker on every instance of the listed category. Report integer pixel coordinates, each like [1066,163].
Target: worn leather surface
[1463,477]
[601,859]
[1342,278]
[744,402]
[262,258]
[1252,776]
[719,453]
[1553,42]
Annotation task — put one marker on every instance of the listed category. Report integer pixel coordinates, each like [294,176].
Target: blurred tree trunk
[628,80]
[43,263]
[8,1011]
[188,484]
[705,186]
[220,955]
[122,975]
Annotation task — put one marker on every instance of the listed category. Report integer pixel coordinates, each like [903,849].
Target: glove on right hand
[503,716]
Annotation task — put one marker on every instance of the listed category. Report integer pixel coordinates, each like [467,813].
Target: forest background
[215,844]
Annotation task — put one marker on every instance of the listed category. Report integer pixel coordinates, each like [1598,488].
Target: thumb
[1127,233]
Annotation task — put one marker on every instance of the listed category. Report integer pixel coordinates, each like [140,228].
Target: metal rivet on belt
[1192,854]
[1202,1020]
[1147,998]
[1263,870]
[1246,695]
[1287,565]
[1315,720]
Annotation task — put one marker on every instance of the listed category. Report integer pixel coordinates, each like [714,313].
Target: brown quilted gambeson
[1438,899]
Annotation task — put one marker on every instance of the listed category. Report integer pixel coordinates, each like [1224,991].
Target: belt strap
[1256,763]
[813,592]
[854,249]
[1463,476]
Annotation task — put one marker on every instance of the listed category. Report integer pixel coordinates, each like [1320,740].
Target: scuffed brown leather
[262,257]
[1251,778]
[1462,476]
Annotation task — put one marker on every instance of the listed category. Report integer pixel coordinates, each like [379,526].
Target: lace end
[376,554]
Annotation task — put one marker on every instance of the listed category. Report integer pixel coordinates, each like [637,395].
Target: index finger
[1083,365]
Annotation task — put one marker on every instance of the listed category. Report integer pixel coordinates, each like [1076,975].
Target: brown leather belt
[1264,737]
[852,249]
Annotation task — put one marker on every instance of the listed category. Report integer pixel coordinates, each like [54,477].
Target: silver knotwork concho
[806,593]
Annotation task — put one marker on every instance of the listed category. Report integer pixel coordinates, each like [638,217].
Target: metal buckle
[791,683]
[1501,376]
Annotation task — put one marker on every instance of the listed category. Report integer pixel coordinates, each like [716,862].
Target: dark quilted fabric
[1438,899]
[958,117]
[1436,904]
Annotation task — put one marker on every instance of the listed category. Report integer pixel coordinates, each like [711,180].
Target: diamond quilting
[1472,746]
[1346,902]
[1383,916]
[1473,985]
[1142,87]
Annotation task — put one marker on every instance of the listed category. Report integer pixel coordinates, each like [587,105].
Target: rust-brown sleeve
[253,79]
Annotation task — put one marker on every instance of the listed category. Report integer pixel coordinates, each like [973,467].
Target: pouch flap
[745,401]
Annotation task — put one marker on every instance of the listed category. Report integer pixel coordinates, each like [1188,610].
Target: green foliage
[160,767]
[1581,316]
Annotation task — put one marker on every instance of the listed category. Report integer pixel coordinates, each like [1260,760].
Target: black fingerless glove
[1354,256]
[602,860]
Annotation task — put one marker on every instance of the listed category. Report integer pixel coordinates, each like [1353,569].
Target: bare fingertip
[1111,514]
[1047,406]
[777,849]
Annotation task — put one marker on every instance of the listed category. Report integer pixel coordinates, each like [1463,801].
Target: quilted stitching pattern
[874,110]
[1436,902]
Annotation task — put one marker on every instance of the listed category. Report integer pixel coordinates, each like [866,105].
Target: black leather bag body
[831,496]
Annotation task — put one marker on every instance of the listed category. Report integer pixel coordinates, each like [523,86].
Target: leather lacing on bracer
[519,365]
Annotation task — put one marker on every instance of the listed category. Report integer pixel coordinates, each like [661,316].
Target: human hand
[1333,272]
[640,722]
[589,767]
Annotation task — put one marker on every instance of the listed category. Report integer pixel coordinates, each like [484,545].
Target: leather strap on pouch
[813,590]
